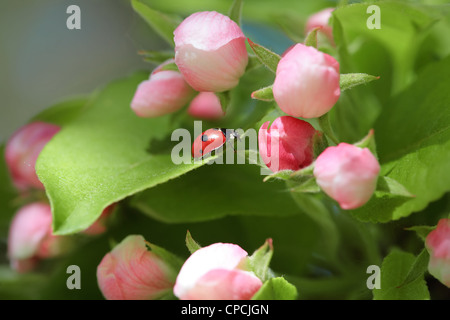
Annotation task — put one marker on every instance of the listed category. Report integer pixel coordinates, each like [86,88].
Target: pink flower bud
[206,105]
[287,144]
[348,174]
[210,51]
[165,92]
[132,272]
[307,82]
[321,20]
[30,237]
[438,245]
[22,151]
[216,272]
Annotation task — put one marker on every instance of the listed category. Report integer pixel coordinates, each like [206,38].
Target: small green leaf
[421,231]
[305,172]
[308,186]
[268,58]
[418,269]
[393,187]
[282,174]
[224,98]
[157,57]
[168,257]
[161,23]
[264,94]
[191,244]
[311,38]
[253,62]
[324,122]
[276,289]
[235,11]
[368,142]
[259,261]
[350,80]
[170,67]
[394,271]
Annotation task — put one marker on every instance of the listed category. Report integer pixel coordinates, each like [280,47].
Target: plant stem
[325,125]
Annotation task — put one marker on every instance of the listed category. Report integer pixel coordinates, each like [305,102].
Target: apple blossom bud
[348,174]
[287,144]
[438,245]
[206,105]
[216,272]
[22,151]
[321,20]
[307,82]
[30,237]
[133,272]
[210,51]
[164,92]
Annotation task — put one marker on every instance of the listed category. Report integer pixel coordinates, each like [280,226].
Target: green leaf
[161,23]
[311,38]
[170,67]
[316,210]
[325,125]
[368,142]
[268,58]
[282,174]
[401,26]
[276,289]
[421,231]
[350,80]
[235,11]
[253,63]
[264,94]
[308,186]
[418,269]
[393,187]
[157,57]
[215,191]
[100,158]
[191,244]
[413,138]
[168,257]
[224,99]
[259,261]
[388,196]
[394,270]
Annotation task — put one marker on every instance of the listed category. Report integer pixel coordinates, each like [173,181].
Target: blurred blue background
[42,62]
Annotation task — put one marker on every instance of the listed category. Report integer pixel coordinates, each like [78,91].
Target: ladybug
[211,140]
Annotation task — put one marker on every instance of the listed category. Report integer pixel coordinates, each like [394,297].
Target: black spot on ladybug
[204,138]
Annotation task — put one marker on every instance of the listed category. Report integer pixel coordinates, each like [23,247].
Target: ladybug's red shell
[207,142]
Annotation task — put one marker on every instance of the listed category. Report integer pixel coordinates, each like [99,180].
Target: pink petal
[222,256]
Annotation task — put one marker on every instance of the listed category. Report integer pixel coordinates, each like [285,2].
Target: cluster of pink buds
[138,270]
[307,85]
[210,55]
[30,235]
